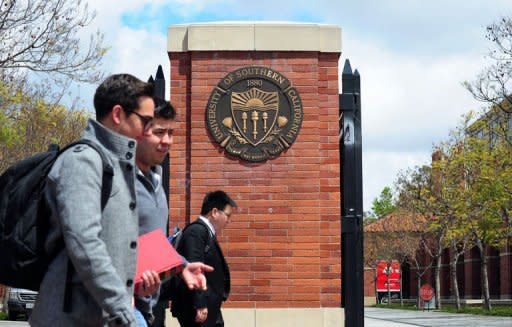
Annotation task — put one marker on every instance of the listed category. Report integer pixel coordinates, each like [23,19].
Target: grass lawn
[502,311]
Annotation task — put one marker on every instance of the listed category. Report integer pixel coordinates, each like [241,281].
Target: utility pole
[352,194]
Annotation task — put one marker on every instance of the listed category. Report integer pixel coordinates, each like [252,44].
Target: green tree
[466,194]
[384,204]
[398,236]
[420,191]
[28,125]
[487,197]
[480,163]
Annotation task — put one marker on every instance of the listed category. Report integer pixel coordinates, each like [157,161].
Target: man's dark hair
[164,109]
[120,89]
[217,199]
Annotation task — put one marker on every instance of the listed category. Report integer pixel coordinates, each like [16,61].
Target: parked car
[20,301]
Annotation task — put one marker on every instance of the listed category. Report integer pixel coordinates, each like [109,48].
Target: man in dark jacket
[199,243]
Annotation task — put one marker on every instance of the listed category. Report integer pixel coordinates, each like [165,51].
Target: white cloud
[134,51]
[409,103]
[412,58]
[139,52]
[381,168]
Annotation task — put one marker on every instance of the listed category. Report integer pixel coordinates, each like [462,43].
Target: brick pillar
[283,244]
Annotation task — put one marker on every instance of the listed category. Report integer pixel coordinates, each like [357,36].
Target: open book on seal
[156,253]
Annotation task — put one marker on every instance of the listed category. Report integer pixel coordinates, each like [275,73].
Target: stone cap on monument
[254,36]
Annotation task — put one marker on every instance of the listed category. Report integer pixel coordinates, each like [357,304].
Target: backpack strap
[106,188]
[108,170]
[108,173]
[210,237]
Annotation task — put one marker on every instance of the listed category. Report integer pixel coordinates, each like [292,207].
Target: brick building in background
[283,244]
[468,265]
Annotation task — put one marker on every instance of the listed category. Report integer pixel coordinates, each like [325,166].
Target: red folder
[156,253]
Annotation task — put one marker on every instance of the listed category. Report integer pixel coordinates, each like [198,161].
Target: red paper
[156,253]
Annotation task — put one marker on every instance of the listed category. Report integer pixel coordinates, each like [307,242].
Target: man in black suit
[199,243]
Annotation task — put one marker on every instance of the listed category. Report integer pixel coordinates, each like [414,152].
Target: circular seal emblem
[254,113]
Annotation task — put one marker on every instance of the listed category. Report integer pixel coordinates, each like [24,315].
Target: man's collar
[155,169]
[154,176]
[208,223]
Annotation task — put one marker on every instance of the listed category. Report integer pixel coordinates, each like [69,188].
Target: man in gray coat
[101,245]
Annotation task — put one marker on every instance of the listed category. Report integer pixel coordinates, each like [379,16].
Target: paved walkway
[377,317]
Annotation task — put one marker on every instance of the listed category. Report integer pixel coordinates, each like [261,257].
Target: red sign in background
[383,270]
[426,292]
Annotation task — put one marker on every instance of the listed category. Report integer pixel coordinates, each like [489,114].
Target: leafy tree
[482,175]
[384,204]
[43,36]
[420,191]
[395,237]
[446,222]
[28,124]
[467,195]
[475,185]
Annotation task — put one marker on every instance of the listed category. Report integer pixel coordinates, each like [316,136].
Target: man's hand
[150,283]
[201,315]
[193,275]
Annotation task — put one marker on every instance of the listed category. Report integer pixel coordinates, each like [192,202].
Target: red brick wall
[283,245]
[369,282]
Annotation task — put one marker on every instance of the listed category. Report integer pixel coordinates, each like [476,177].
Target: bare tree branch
[43,36]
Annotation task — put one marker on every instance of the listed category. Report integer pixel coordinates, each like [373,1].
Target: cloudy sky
[412,55]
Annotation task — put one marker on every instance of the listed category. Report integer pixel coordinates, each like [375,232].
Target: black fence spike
[347,70]
[160,73]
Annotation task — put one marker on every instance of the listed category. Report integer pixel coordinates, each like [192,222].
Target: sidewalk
[378,317]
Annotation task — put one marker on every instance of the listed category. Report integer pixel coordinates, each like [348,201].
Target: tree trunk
[453,274]
[418,286]
[401,288]
[438,282]
[389,291]
[485,278]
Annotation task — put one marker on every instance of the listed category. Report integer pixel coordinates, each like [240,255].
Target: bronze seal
[254,113]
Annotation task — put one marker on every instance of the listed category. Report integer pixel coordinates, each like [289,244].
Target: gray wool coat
[101,245]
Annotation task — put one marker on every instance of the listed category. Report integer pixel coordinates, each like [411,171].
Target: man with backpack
[152,203]
[199,243]
[96,242]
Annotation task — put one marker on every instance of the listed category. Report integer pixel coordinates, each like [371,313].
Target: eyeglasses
[227,215]
[146,120]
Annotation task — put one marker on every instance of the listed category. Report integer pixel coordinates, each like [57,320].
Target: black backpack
[169,289]
[177,234]
[175,238]
[24,216]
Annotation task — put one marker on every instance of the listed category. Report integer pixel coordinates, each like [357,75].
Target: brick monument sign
[258,110]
